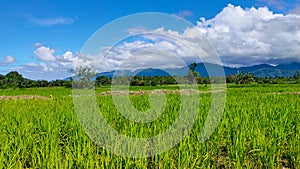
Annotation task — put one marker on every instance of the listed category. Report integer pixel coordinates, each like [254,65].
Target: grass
[259,129]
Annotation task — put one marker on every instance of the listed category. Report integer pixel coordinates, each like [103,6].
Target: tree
[192,74]
[193,67]
[297,76]
[83,77]
[13,79]
[102,80]
[230,79]
[2,77]
[42,83]
[241,78]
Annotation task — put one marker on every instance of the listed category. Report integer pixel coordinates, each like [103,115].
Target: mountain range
[262,70]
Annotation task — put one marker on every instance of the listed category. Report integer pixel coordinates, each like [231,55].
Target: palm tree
[241,78]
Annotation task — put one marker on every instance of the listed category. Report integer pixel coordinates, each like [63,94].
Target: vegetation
[15,80]
[84,75]
[259,129]
[83,78]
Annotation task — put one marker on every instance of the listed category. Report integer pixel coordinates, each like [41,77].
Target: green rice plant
[259,129]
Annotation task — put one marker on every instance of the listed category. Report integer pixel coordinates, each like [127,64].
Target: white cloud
[241,37]
[296,9]
[254,36]
[184,13]
[7,60]
[52,21]
[160,49]
[45,53]
[53,66]
[37,45]
[46,68]
[68,55]
[32,64]
[137,30]
[279,4]
[47,71]
[65,58]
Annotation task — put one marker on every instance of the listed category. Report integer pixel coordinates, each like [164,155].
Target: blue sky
[32,29]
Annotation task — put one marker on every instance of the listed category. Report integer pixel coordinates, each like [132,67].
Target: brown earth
[141,92]
[25,97]
[295,93]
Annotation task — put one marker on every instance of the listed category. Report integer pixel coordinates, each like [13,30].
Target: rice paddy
[259,129]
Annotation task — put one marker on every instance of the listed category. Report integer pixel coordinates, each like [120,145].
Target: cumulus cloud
[253,36]
[7,60]
[45,53]
[160,49]
[51,66]
[65,57]
[241,37]
[68,55]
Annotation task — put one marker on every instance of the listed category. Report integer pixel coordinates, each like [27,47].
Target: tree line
[15,80]
[238,78]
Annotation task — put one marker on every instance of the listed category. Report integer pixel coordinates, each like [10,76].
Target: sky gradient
[40,39]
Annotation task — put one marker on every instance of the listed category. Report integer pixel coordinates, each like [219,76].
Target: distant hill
[291,66]
[282,70]
[262,70]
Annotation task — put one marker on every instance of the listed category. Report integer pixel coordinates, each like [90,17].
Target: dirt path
[141,92]
[25,97]
[293,93]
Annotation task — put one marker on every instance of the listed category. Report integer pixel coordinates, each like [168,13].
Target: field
[259,129]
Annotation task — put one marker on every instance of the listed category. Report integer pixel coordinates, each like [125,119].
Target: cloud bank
[254,36]
[241,37]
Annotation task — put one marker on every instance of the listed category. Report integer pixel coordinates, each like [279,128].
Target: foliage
[83,77]
[15,80]
[241,78]
[87,78]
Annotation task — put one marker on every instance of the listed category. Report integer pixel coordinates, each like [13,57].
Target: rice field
[259,129]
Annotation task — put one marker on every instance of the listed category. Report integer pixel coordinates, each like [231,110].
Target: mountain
[262,70]
[291,66]
[281,70]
